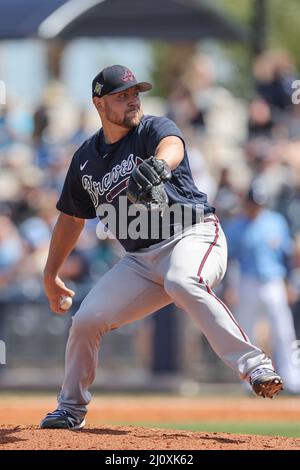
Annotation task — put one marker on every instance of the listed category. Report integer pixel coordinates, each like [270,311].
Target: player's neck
[113,134]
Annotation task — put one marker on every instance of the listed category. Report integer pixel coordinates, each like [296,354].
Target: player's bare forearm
[65,235]
[64,238]
[171,150]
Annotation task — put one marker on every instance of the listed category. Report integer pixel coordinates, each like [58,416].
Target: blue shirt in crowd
[261,245]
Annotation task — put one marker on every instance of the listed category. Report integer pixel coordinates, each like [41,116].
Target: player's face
[124,108]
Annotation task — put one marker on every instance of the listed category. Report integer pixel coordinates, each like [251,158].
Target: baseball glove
[146,183]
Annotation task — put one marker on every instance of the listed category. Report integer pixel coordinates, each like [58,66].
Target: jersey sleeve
[74,200]
[160,128]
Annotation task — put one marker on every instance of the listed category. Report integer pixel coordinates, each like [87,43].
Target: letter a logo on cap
[98,88]
[128,76]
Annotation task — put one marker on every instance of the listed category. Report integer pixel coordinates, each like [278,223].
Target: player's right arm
[75,206]
[64,238]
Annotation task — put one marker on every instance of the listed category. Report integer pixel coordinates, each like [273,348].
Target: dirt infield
[20,416]
[131,437]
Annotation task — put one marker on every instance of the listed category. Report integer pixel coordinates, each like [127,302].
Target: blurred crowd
[35,152]
[231,142]
[244,155]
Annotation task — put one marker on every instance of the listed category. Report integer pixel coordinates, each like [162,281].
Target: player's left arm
[171,150]
[146,184]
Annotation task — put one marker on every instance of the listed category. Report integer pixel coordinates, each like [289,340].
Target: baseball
[65,302]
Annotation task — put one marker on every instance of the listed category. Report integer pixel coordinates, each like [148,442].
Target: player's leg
[196,265]
[121,296]
[283,332]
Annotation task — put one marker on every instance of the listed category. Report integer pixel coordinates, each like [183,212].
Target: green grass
[271,428]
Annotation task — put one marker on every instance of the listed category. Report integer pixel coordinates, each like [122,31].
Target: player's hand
[54,288]
[146,183]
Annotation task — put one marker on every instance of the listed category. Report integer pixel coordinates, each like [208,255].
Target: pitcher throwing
[143,160]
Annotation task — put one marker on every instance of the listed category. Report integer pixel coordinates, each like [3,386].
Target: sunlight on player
[145,158]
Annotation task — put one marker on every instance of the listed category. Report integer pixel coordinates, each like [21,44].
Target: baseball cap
[115,79]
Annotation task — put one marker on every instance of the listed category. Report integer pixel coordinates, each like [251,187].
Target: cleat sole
[268,389]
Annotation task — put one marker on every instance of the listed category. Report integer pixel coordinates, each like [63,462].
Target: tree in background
[280,28]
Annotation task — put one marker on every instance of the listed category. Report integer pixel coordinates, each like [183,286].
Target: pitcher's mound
[134,438]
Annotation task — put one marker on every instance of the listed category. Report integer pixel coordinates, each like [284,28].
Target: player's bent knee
[83,323]
[178,287]
[175,286]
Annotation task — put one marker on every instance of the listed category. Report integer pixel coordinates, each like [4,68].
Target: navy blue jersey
[99,172]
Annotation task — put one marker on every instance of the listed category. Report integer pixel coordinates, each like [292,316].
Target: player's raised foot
[266,382]
[62,419]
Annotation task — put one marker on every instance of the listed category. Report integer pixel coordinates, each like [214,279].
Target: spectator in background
[80,133]
[40,126]
[259,240]
[266,160]
[11,251]
[197,101]
[182,109]
[274,72]
[288,204]
[294,286]
[40,123]
[260,120]
[6,133]
[227,201]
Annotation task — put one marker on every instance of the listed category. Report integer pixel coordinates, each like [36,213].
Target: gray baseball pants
[183,270]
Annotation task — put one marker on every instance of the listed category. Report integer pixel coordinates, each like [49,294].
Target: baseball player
[142,159]
[259,240]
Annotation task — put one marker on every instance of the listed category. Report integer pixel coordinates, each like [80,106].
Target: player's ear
[99,103]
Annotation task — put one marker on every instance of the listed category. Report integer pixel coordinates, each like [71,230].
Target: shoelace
[258,372]
[58,413]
